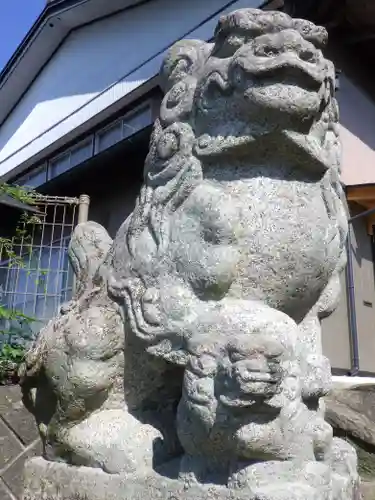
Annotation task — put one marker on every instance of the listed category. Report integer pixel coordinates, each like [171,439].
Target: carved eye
[201,391]
[176,93]
[167,146]
[181,68]
[204,365]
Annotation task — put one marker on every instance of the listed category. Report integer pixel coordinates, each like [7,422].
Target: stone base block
[57,481]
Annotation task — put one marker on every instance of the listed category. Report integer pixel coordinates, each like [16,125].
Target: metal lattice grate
[37,278]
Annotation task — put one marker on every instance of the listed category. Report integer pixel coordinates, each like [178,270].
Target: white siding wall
[357,117]
[97,65]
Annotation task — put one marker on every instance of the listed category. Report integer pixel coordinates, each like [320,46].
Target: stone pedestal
[56,481]
[274,480]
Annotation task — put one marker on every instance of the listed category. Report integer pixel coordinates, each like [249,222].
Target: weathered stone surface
[196,332]
[14,413]
[353,411]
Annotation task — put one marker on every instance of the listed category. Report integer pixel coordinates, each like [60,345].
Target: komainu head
[264,76]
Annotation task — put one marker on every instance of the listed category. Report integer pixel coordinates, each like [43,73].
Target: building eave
[56,21]
[364,195]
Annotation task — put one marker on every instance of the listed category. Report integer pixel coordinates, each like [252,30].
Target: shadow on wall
[361,242]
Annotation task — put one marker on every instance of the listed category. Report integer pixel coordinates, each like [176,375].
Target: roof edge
[51,8]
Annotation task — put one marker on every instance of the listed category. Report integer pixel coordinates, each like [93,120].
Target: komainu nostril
[307,55]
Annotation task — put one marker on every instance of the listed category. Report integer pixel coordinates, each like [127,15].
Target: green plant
[13,322]
[11,356]
[12,349]
[23,194]
[13,315]
[11,353]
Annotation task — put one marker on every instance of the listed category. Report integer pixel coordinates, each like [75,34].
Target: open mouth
[248,386]
[248,377]
[250,393]
[282,66]
[293,94]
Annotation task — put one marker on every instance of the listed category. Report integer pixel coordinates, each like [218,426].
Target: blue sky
[16,18]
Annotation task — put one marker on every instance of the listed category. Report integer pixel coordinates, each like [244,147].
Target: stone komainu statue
[194,339]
